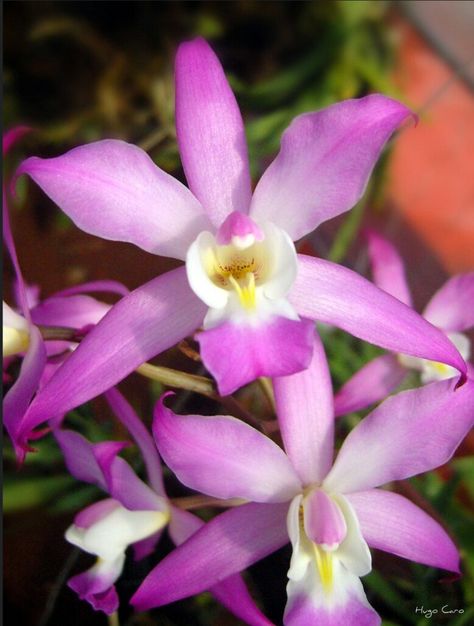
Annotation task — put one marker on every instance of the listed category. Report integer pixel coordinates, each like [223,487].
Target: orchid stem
[113,619]
[189,503]
[267,388]
[175,378]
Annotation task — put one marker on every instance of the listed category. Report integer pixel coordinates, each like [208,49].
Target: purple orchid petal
[75,311]
[32,294]
[211,134]
[16,401]
[388,269]
[96,585]
[238,353]
[251,466]
[324,163]
[306,418]
[125,486]
[232,592]
[226,545]
[372,383]
[451,308]
[423,427]
[103,286]
[11,137]
[82,457]
[113,189]
[334,294]
[125,413]
[149,320]
[392,523]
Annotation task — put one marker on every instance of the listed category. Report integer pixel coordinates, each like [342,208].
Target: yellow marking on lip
[246,293]
[324,561]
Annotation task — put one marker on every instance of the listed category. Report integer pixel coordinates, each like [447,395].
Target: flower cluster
[252,302]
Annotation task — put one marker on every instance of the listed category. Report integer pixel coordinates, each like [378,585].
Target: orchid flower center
[16,336]
[244,271]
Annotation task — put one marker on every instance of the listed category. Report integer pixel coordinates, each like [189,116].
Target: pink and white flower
[331,512]
[135,514]
[243,281]
[450,309]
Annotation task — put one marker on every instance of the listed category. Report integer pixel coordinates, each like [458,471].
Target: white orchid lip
[245,271]
[16,335]
[330,520]
[109,536]
[433,370]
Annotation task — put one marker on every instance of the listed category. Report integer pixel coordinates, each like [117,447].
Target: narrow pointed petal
[251,466]
[211,134]
[372,383]
[16,401]
[388,270]
[227,544]
[113,189]
[149,320]
[334,294]
[238,353]
[324,163]
[451,308]
[306,419]
[125,413]
[411,432]
[75,311]
[231,592]
[392,523]
[81,456]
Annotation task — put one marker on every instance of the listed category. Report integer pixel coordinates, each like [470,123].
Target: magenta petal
[113,189]
[125,486]
[16,401]
[74,311]
[125,413]
[334,294]
[388,270]
[238,353]
[251,466]
[147,321]
[452,306]
[13,135]
[392,523]
[372,383]
[411,432]
[232,592]
[324,163]
[81,456]
[306,418]
[97,588]
[211,134]
[226,545]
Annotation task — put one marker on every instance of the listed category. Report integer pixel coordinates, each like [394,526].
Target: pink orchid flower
[451,309]
[331,512]
[135,514]
[21,333]
[243,281]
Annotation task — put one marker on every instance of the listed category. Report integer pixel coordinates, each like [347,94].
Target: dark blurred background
[81,71]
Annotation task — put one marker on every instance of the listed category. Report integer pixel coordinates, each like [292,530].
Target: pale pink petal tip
[238,225]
